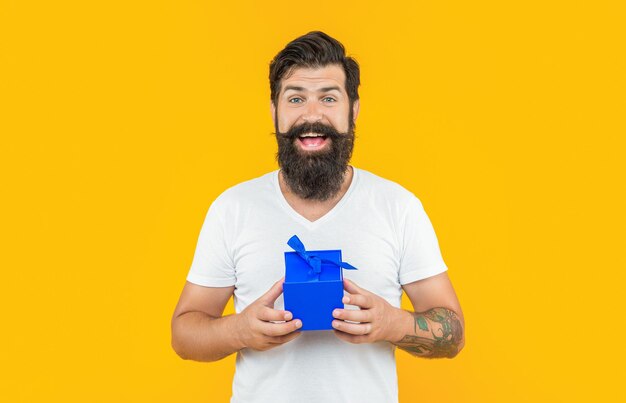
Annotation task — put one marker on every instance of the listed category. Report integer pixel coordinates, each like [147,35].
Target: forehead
[314,78]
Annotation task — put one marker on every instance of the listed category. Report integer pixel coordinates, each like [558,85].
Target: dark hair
[313,50]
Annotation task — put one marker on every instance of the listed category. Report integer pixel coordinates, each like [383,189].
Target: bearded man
[329,204]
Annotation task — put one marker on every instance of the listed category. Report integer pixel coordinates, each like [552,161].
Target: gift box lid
[306,266]
[299,271]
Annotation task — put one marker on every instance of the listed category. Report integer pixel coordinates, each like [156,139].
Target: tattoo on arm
[421,322]
[445,340]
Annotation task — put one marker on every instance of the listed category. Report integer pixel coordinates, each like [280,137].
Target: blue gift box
[313,285]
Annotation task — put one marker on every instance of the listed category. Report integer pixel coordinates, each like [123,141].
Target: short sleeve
[420,254]
[212,264]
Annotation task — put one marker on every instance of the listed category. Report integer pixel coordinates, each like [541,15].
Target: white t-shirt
[380,227]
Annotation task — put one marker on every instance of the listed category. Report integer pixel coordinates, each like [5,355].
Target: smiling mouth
[312,141]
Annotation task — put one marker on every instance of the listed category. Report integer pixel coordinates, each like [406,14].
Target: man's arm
[435,330]
[201,333]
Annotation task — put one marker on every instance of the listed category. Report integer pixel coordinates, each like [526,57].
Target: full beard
[315,175]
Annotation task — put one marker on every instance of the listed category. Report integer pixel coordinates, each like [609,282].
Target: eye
[328,99]
[296,100]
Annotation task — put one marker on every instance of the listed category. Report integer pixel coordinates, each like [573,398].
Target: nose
[313,113]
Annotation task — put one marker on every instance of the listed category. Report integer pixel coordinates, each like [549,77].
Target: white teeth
[312,135]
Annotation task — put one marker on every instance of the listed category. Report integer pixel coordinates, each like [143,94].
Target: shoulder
[247,192]
[384,190]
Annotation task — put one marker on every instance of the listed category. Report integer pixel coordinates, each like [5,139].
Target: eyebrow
[324,89]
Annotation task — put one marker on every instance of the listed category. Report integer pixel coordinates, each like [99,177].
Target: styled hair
[313,50]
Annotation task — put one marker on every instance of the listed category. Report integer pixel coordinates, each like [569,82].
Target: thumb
[273,293]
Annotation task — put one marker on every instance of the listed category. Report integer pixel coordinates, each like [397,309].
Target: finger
[350,338]
[357,329]
[280,329]
[285,339]
[273,293]
[363,301]
[268,314]
[353,315]
[352,288]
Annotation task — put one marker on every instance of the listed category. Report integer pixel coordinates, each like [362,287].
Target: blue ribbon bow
[312,260]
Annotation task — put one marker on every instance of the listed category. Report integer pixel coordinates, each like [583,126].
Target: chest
[368,243]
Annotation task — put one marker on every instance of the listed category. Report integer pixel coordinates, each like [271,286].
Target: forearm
[200,337]
[436,333]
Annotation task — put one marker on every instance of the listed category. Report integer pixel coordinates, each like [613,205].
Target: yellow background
[121,121]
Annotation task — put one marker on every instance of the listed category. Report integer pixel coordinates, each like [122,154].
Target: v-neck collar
[332,212]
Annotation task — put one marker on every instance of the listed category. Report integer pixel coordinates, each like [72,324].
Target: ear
[273,112]
[355,110]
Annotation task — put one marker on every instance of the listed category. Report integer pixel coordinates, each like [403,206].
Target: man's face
[315,131]
[314,95]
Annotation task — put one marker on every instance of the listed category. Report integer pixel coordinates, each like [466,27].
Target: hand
[256,328]
[378,319]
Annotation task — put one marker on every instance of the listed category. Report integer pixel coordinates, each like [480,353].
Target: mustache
[317,127]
